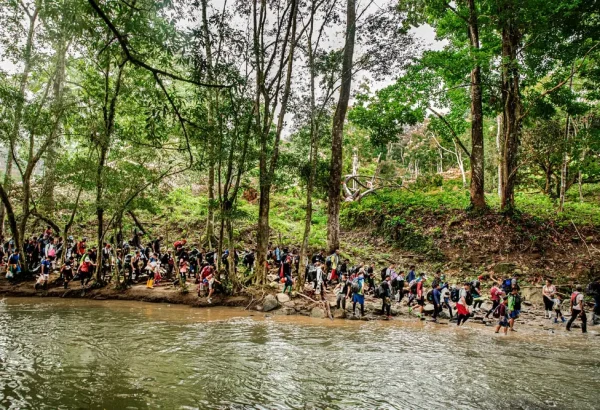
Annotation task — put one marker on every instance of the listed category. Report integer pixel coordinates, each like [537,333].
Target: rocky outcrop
[270,303]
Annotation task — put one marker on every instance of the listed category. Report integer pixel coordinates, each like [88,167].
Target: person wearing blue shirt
[411,274]
[437,305]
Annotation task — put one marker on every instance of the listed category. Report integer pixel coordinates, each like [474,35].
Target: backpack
[573,298]
[383,272]
[469,299]
[496,312]
[430,296]
[517,302]
[507,285]
[413,286]
[455,295]
[378,292]
[355,286]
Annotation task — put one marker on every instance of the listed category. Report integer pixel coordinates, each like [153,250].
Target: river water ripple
[66,354]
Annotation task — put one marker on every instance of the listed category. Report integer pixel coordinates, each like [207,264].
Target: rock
[518,272]
[317,313]
[289,304]
[444,315]
[284,312]
[339,314]
[282,298]
[270,303]
[272,278]
[428,309]
[273,285]
[504,267]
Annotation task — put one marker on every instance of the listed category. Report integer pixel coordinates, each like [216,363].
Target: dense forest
[244,122]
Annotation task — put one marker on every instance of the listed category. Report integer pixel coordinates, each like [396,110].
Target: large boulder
[270,303]
[282,298]
[318,313]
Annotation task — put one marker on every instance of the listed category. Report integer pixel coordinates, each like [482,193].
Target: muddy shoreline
[274,303]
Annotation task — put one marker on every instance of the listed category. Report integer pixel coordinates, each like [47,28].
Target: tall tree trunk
[18,116]
[499,151]
[267,170]
[210,218]
[477,152]
[335,179]
[312,157]
[564,171]
[100,208]
[47,200]
[511,100]
[6,185]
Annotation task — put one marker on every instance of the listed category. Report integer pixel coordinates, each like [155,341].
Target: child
[556,306]
[501,313]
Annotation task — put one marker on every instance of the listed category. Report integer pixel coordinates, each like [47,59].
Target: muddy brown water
[74,354]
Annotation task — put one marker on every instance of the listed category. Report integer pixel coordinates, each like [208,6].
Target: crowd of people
[134,261]
[180,263]
[461,300]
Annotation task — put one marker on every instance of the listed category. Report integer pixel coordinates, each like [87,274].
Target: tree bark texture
[335,178]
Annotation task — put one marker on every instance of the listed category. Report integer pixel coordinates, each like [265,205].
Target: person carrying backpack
[411,274]
[335,262]
[66,271]
[445,298]
[462,306]
[476,293]
[386,296]
[342,291]
[421,295]
[358,296]
[398,287]
[514,307]
[577,309]
[437,305]
[500,312]
[495,296]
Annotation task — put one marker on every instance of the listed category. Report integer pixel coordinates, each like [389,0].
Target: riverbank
[273,303]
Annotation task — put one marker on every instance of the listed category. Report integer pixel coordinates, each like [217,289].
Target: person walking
[342,291]
[358,290]
[496,297]
[514,307]
[462,306]
[500,312]
[548,292]
[386,297]
[437,305]
[445,298]
[556,306]
[577,309]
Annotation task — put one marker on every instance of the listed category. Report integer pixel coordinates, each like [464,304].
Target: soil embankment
[268,301]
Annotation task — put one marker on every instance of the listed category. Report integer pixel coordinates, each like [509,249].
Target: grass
[452,197]
[397,213]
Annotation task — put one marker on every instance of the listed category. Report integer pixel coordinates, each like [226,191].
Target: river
[57,353]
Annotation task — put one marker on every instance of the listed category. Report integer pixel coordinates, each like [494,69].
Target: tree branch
[445,121]
[125,46]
